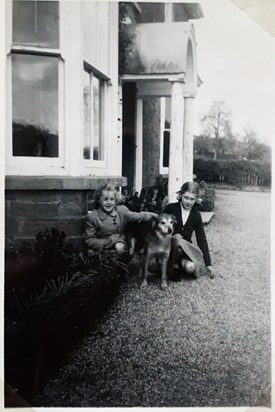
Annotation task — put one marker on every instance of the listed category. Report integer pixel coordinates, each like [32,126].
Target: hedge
[235,172]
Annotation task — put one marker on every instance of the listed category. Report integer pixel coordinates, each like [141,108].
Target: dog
[157,248]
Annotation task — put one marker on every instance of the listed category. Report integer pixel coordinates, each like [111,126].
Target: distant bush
[235,172]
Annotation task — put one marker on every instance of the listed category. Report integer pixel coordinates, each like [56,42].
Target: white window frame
[104,116]
[32,164]
[71,129]
[162,170]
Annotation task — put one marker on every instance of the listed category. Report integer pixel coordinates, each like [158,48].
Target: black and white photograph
[137,170]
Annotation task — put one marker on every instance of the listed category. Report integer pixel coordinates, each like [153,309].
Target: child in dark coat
[184,254]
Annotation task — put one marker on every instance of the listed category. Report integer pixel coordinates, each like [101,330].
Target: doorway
[129,93]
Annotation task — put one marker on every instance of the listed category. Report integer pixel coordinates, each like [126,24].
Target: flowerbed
[155,198]
[54,294]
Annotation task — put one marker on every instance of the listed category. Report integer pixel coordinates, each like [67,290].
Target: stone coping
[206,217]
[61,182]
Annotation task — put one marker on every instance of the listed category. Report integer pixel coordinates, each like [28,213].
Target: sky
[236,62]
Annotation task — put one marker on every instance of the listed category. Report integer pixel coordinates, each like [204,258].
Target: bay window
[35,105]
[94,98]
[61,89]
[35,61]
[36,23]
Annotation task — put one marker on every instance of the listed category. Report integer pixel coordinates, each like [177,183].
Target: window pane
[35,105]
[87,115]
[151,13]
[97,102]
[167,113]
[166,146]
[36,23]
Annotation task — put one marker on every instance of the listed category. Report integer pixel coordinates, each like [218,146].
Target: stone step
[206,217]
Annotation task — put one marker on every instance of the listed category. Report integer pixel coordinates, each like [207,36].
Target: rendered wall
[156,48]
[96,34]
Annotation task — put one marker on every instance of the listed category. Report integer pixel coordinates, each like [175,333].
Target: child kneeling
[105,226]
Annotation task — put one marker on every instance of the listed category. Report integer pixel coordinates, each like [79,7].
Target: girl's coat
[100,225]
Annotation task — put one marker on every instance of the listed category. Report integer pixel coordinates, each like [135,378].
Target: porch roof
[156,84]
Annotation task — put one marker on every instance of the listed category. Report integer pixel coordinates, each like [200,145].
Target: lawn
[201,343]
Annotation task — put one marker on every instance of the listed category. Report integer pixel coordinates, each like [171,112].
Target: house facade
[86,106]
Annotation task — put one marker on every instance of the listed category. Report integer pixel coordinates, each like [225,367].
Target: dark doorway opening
[129,91]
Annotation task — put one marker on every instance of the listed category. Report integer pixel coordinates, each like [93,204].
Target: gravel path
[200,343]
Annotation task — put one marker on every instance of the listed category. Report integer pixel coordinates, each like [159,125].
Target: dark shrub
[207,198]
[151,198]
[67,291]
[154,198]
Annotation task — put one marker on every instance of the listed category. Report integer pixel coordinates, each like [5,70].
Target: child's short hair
[106,186]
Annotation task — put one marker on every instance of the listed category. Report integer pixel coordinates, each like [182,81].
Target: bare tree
[252,147]
[217,123]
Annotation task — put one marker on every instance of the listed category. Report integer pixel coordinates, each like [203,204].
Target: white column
[187,164]
[176,141]
[139,144]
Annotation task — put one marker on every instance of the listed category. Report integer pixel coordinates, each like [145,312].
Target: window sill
[61,182]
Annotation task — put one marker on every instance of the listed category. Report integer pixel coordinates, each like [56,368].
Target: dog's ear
[174,219]
[154,222]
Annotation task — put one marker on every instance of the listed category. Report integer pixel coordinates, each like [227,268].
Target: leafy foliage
[125,39]
[236,172]
[67,290]
[207,194]
[155,198]
[152,199]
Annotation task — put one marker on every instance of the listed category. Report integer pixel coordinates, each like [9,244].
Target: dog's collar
[102,215]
